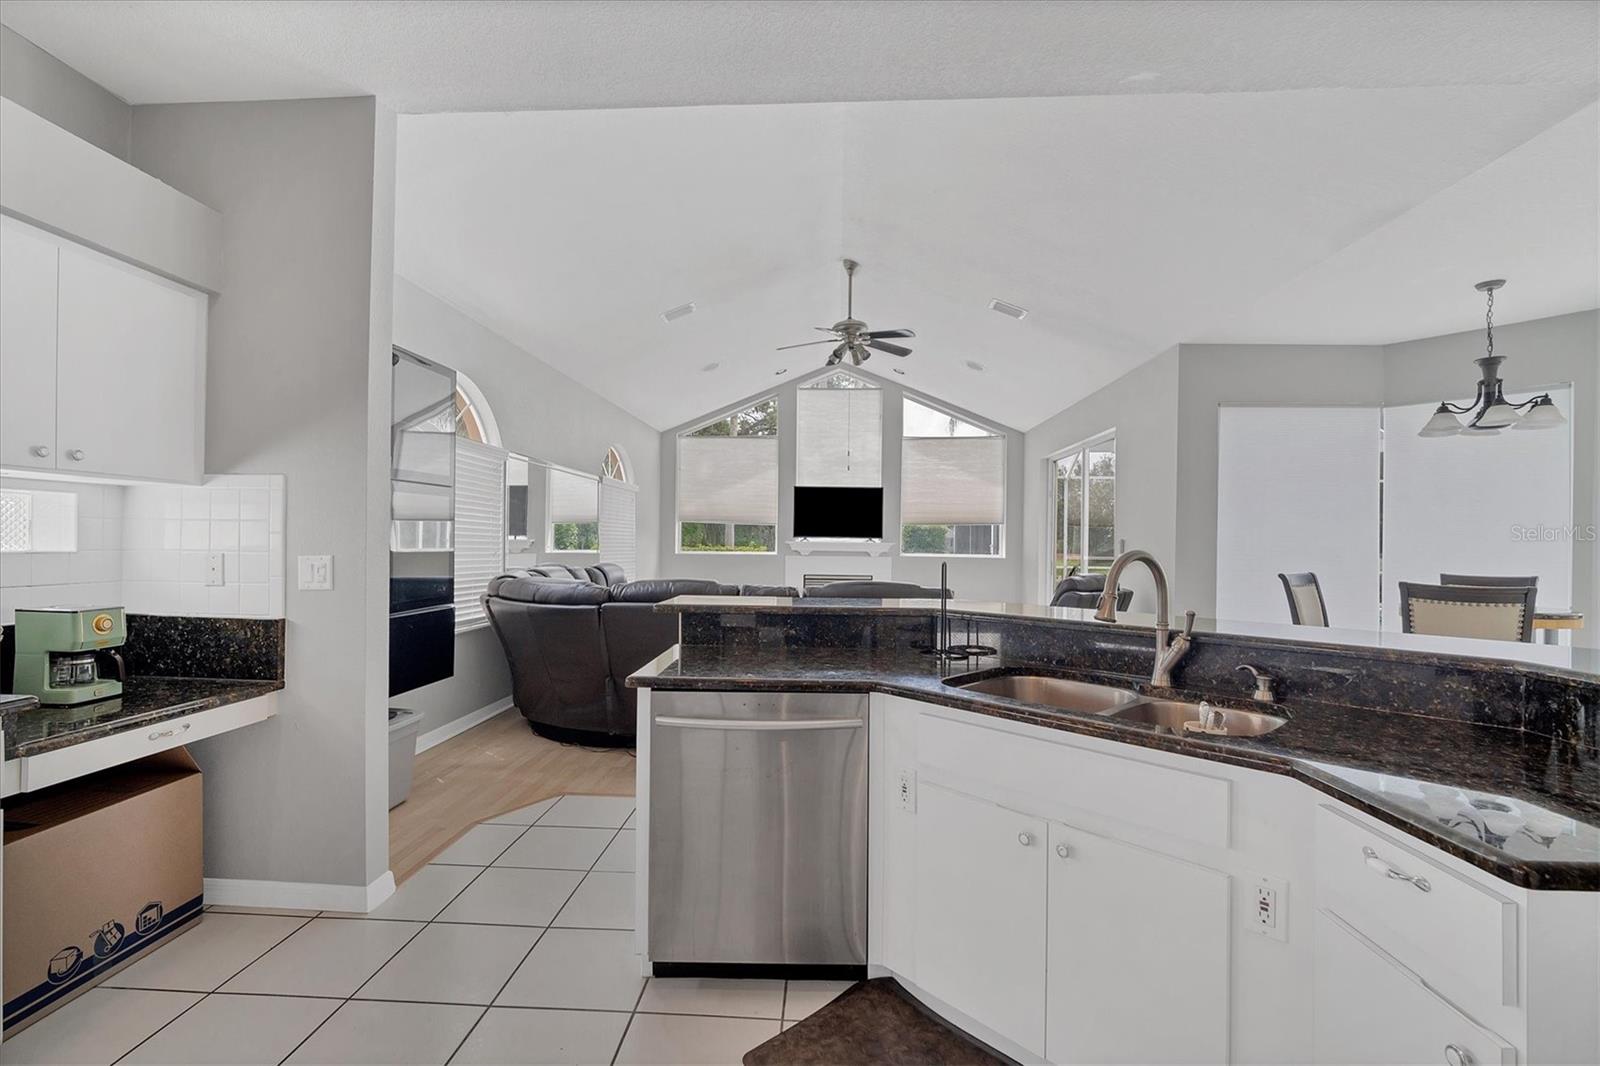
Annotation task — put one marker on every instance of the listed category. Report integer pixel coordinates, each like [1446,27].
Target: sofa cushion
[530,588]
[769,590]
[606,574]
[875,590]
[664,589]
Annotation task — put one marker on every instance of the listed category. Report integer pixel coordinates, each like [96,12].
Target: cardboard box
[98,871]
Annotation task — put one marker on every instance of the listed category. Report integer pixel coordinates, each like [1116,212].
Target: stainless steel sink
[1054,692]
[1171,715]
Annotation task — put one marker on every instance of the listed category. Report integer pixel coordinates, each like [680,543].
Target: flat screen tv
[834,512]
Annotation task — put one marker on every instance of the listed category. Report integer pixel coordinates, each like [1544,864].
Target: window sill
[736,555]
[948,555]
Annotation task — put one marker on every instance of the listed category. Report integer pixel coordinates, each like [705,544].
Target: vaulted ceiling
[1134,174]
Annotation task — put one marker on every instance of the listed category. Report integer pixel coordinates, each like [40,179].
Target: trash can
[403,727]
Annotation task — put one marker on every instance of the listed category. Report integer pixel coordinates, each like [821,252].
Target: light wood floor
[490,769]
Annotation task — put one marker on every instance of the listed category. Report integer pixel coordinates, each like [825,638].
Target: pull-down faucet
[1169,649]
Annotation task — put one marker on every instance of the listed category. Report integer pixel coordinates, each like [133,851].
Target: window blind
[618,533]
[1297,490]
[839,437]
[480,527]
[573,497]
[953,481]
[728,479]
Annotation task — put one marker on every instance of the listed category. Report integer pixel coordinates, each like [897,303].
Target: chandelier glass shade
[1490,411]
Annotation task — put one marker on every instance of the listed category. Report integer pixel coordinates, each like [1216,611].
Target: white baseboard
[457,726]
[299,895]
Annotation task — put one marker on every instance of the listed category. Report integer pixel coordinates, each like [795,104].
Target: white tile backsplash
[91,574]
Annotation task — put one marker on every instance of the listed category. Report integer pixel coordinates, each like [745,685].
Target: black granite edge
[1526,873]
[185,696]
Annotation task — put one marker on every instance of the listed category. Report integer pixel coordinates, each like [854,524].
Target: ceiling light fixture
[709,367]
[1490,410]
[672,314]
[1007,309]
[973,364]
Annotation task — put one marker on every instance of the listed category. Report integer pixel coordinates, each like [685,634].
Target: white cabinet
[980,911]
[1371,1009]
[27,347]
[102,364]
[1138,954]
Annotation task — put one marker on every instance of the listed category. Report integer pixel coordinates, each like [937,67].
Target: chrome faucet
[1170,650]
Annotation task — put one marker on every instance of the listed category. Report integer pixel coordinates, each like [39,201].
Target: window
[1084,512]
[463,418]
[728,482]
[574,509]
[35,521]
[612,468]
[839,433]
[480,527]
[952,485]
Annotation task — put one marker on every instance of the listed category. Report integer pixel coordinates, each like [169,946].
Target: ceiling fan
[851,335]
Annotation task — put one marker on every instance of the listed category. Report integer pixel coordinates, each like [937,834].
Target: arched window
[470,416]
[613,467]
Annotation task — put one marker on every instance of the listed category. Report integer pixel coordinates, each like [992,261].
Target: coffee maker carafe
[68,655]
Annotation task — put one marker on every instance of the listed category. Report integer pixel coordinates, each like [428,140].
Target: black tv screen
[833,512]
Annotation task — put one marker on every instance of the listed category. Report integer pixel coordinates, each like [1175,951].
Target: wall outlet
[316,572]
[905,791]
[1269,910]
[214,574]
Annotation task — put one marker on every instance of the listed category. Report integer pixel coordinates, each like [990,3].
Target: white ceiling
[431,56]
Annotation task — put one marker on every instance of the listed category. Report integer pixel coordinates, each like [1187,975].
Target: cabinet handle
[1025,839]
[1383,867]
[162,733]
[1456,1055]
[75,454]
[1063,851]
[39,451]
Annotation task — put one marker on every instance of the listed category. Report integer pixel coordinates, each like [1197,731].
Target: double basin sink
[1122,704]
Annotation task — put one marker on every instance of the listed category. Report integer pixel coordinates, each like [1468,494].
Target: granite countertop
[33,730]
[1521,805]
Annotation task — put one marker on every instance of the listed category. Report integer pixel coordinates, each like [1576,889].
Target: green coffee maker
[68,655]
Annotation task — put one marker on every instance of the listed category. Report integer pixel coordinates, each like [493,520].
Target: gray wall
[541,413]
[972,578]
[1142,407]
[49,88]
[298,383]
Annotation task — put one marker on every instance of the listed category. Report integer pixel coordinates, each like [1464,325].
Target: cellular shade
[480,527]
[953,481]
[839,438]
[728,479]
[573,497]
[618,532]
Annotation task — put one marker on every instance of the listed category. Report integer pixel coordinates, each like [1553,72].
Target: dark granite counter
[32,730]
[1523,805]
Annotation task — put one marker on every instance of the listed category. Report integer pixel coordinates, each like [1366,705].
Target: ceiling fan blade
[804,344]
[837,356]
[878,334]
[825,329]
[892,349]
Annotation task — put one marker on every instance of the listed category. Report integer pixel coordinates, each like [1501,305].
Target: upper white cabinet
[103,366]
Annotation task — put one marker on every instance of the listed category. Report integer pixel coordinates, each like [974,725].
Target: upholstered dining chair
[1484,611]
[1306,606]
[1489,580]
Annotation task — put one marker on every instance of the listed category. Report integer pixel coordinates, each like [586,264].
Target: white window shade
[573,497]
[953,481]
[1492,505]
[480,527]
[618,532]
[728,479]
[839,438]
[1297,490]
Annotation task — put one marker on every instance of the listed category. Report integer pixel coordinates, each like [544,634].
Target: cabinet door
[27,348]
[1370,1009]
[130,365]
[1138,954]
[980,912]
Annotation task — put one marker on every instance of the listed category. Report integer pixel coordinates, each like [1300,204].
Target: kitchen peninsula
[1408,834]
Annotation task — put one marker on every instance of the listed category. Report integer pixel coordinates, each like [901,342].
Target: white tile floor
[514,946]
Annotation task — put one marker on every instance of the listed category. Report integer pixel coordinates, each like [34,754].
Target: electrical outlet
[905,791]
[214,574]
[316,572]
[1269,899]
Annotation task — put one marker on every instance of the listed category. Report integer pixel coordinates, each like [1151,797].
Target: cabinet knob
[39,451]
[1456,1055]
[1063,851]
[1025,839]
[75,454]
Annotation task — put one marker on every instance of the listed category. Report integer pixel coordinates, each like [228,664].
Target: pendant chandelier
[1491,412]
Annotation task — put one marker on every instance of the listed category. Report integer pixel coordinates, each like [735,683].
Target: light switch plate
[214,570]
[316,573]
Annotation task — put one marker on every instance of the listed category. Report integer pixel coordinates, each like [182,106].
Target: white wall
[1142,407]
[49,88]
[970,577]
[90,575]
[543,414]
[298,384]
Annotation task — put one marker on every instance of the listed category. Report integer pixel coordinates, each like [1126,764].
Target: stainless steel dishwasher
[758,831]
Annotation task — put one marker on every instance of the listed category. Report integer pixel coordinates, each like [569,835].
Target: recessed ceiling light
[973,364]
[1011,310]
[897,370]
[709,367]
[674,313]
[780,373]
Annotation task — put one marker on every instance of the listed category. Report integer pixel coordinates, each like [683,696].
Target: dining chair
[1484,611]
[1488,580]
[1306,605]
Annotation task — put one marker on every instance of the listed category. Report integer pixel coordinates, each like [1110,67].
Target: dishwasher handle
[763,724]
